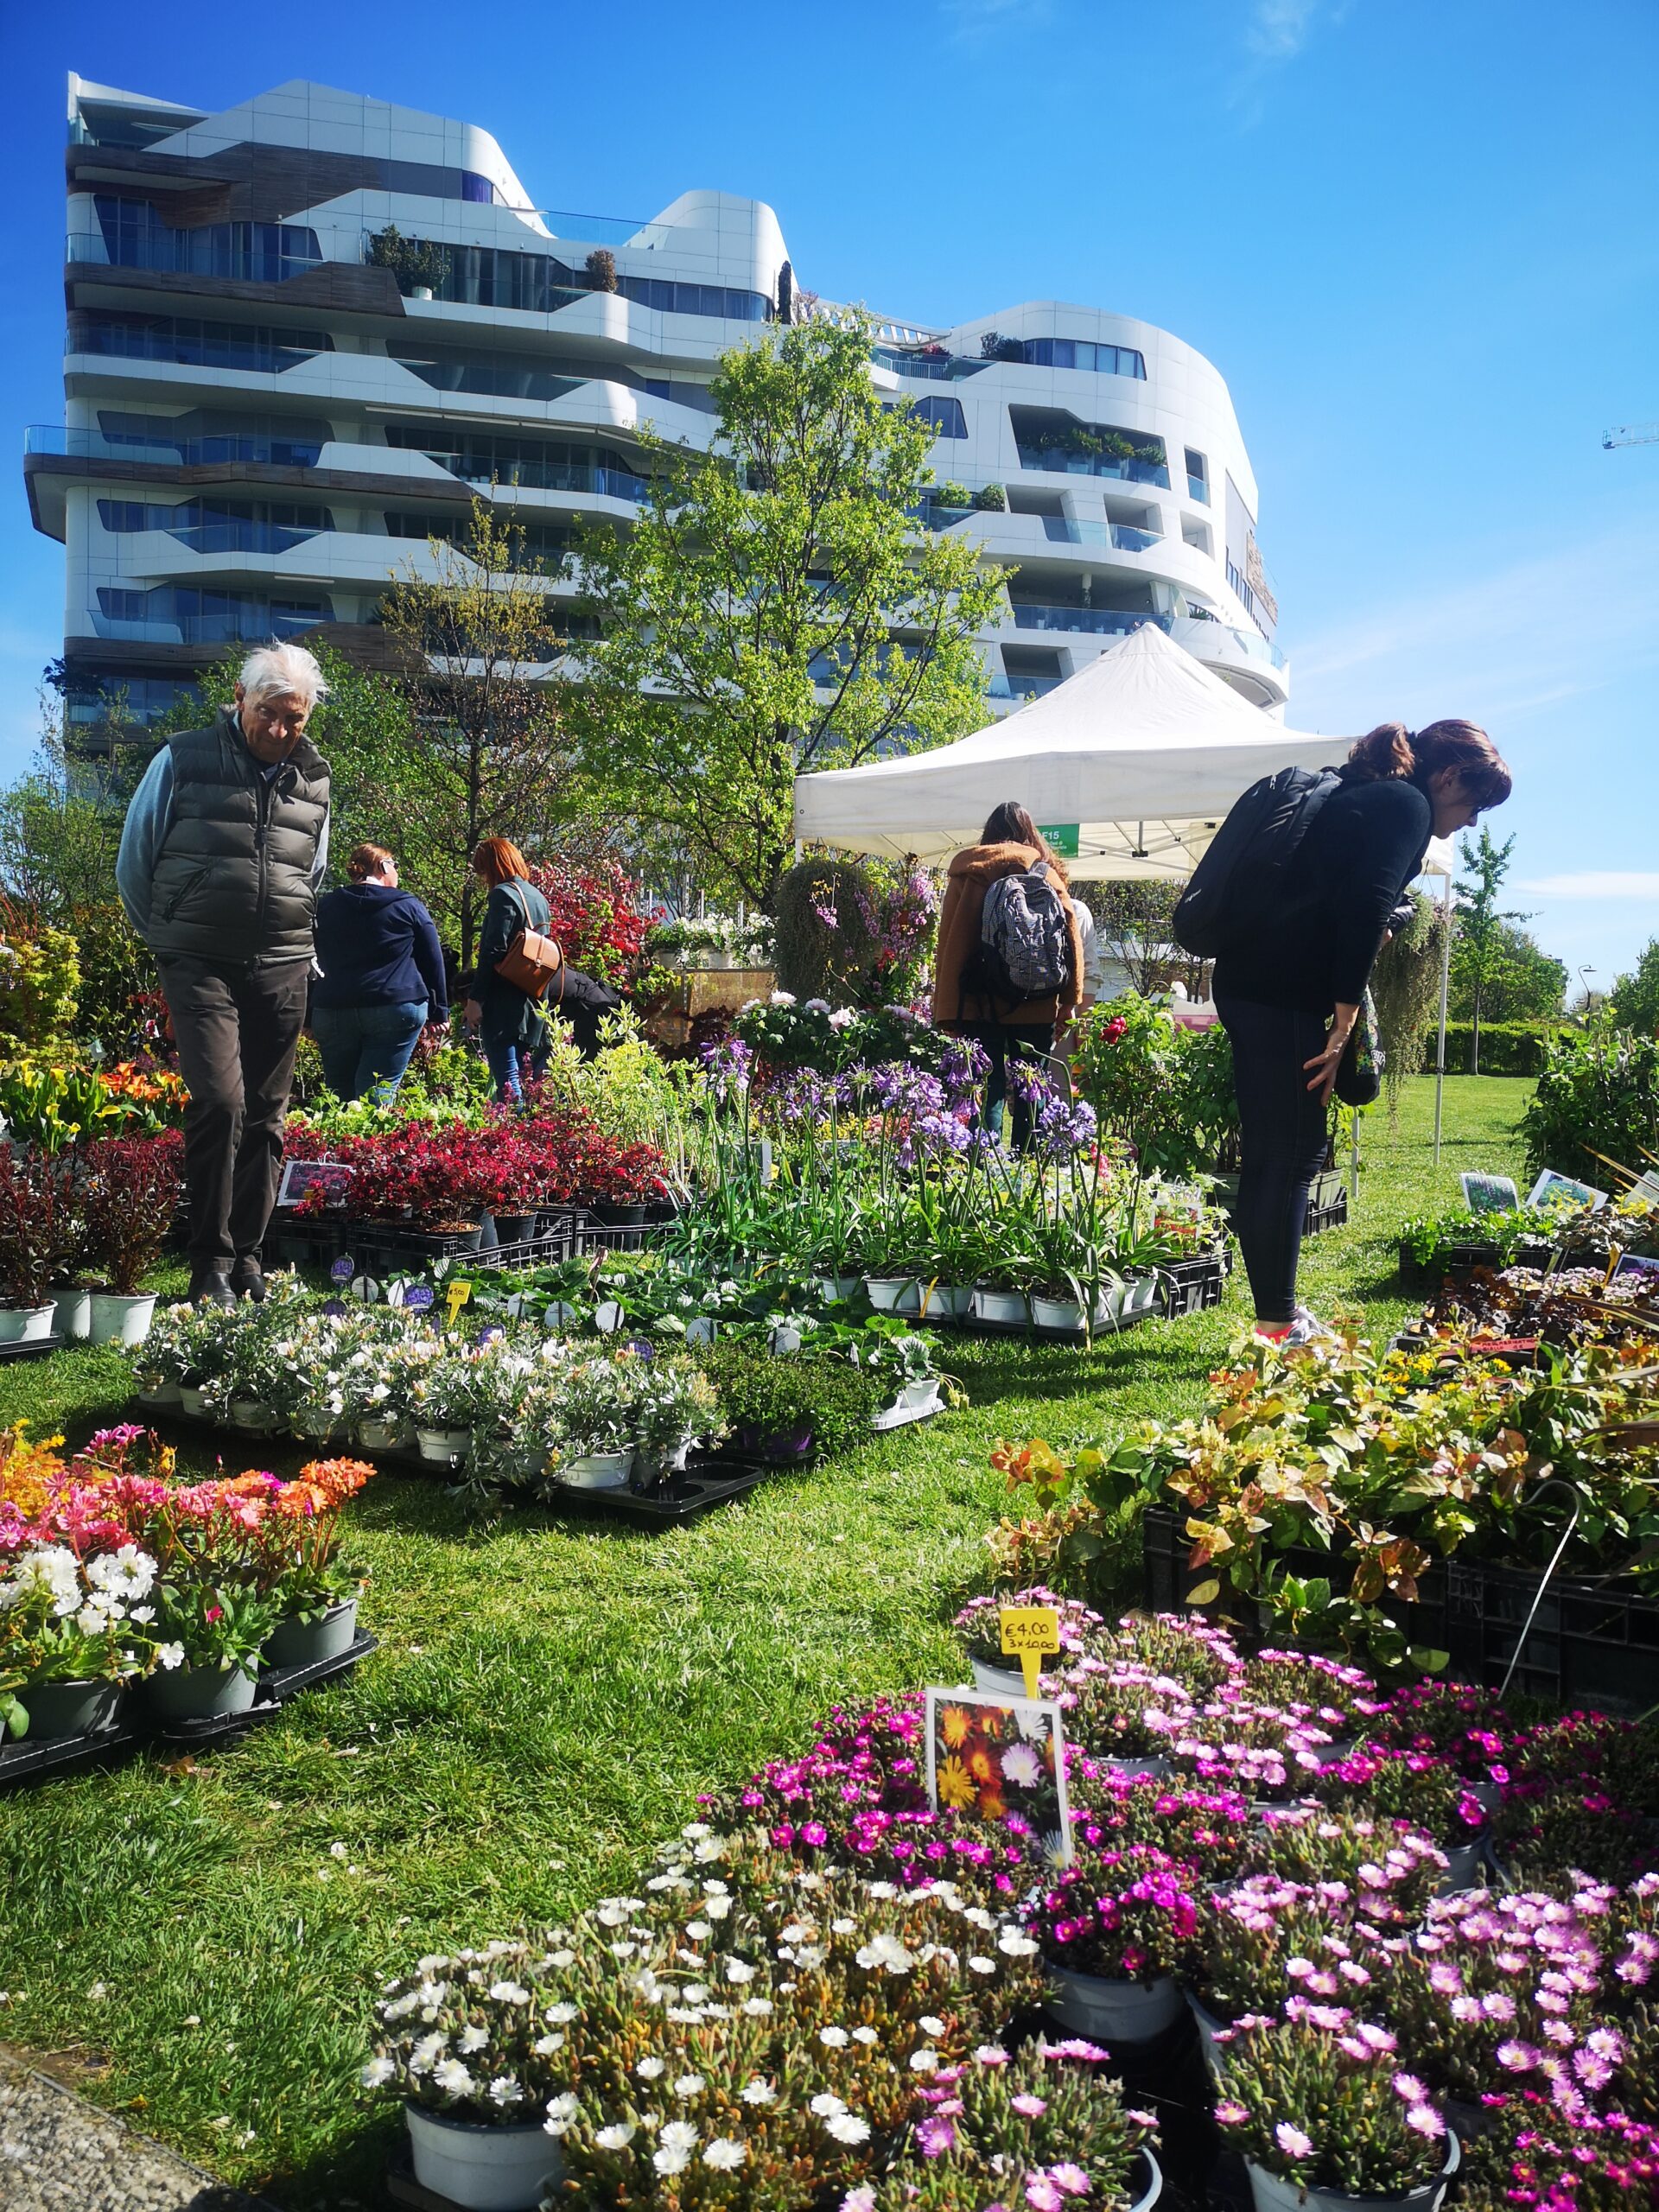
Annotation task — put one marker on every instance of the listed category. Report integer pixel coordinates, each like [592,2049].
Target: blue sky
[1417,239]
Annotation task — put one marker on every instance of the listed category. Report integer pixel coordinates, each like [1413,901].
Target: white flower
[617,2136]
[725,2154]
[545,2046]
[472,2039]
[930,2026]
[689,2085]
[848,2127]
[504,2090]
[505,1992]
[376,2074]
[826,2105]
[782,998]
[924,2061]
[889,1953]
[427,2052]
[982,1966]
[842,1018]
[169,1656]
[739,1970]
[561,2111]
[649,2068]
[128,1572]
[1012,1945]
[865,2035]
[452,2077]
[758,2092]
[698,1930]
[678,2135]
[833,2038]
[563,2014]
[757,2007]
[1021,1765]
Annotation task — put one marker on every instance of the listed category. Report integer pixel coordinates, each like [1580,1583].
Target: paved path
[58,2153]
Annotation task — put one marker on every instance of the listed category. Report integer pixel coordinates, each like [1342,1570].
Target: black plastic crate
[1590,1643]
[1330,1213]
[1193,1285]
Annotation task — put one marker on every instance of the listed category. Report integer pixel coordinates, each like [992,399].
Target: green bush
[1598,1092]
[1506,1048]
[1168,1090]
[778,1395]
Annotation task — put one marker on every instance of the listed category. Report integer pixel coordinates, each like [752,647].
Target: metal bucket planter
[484,2168]
[1108,2010]
[302,1643]
[1274,2193]
[56,1710]
[117,1319]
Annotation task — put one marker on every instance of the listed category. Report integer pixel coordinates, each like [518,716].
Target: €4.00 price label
[1030,1633]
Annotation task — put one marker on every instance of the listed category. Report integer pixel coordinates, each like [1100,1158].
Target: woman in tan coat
[1010,844]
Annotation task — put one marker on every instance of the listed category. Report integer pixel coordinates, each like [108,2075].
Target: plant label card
[1633,1263]
[301,1177]
[1489,1193]
[1029,1634]
[1553,1190]
[999,1759]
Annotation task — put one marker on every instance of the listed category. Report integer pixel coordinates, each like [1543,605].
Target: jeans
[513,1065]
[367,1047]
[1282,1129]
[1005,1041]
[236,1026]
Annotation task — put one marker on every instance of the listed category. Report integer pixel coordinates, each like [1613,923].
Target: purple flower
[935,2136]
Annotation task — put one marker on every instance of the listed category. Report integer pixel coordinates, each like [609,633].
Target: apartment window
[212,618]
[1198,476]
[196,344]
[945,415]
[220,526]
[207,433]
[133,701]
[540,541]
[695,299]
[1081,353]
[544,464]
[136,236]
[490,376]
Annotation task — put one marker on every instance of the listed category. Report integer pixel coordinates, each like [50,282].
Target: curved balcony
[1096,622]
[1108,536]
[1241,658]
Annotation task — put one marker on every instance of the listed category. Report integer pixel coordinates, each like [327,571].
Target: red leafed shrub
[128,1195]
[431,1176]
[596,915]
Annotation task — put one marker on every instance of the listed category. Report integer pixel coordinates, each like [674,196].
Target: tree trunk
[1474,1039]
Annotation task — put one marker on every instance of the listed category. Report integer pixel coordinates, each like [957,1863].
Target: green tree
[1523,981]
[777,609]
[1478,951]
[1636,996]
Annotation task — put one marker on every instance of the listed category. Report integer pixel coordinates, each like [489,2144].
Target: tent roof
[1141,752]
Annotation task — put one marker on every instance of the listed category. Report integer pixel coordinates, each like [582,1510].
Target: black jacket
[378,946]
[1362,848]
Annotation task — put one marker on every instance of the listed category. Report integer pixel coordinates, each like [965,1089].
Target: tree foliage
[777,609]
[1478,953]
[1523,982]
[1636,996]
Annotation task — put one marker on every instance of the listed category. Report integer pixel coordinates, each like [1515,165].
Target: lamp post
[1584,987]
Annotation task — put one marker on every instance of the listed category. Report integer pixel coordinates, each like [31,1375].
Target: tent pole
[1353,1166]
[1446,987]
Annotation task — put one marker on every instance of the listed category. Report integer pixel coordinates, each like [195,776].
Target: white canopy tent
[1129,767]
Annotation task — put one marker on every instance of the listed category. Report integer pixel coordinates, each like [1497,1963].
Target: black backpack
[1239,881]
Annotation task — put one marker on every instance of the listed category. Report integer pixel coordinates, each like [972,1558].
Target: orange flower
[300,1501]
[983,1767]
[338,1480]
[953,1726]
[992,1805]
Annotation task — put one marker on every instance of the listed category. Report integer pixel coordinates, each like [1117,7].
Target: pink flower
[1033,2108]
[1423,2120]
[1071,2178]
[1230,2114]
[935,2137]
[1292,2141]
[1042,2195]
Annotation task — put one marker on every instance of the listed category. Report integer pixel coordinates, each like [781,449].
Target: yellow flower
[955,1788]
[953,1726]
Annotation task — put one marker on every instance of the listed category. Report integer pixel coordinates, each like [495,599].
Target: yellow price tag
[1030,1633]
[1614,1256]
[458,1294]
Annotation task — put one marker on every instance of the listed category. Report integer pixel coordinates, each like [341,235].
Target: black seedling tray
[36,1348]
[666,1505]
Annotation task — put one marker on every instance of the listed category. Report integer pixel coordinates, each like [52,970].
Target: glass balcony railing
[171,452]
[259,351]
[1114,537]
[544,476]
[927,368]
[268,253]
[1250,643]
[1056,462]
[1022,687]
[1199,490]
[1098,622]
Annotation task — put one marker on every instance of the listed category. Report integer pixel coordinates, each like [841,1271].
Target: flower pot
[514,1228]
[193,1400]
[1008,1308]
[336,1431]
[445,1448]
[1056,1315]
[163,1397]
[1113,2011]
[381,1435]
[1274,2193]
[26,1325]
[199,1693]
[1209,2027]
[921,1398]
[74,1318]
[886,1293]
[302,1643]
[1146,2179]
[946,1301]
[597,1470]
[1156,1765]
[1465,1867]
[254,1415]
[786,1447]
[833,1289]
[616,1215]
[120,1320]
[998,1681]
[485,2168]
[420,291]
[59,1709]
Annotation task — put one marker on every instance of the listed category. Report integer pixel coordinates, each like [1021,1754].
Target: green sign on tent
[1062,837]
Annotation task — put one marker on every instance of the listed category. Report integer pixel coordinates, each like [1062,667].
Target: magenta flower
[935,2137]
[1033,2108]
[1292,2141]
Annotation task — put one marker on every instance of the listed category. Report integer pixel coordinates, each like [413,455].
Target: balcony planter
[484,2168]
[597,1470]
[199,1693]
[302,1643]
[121,1320]
[444,1448]
[26,1325]
[1113,2011]
[59,1709]
[254,1415]
[1274,2193]
[1008,1308]
[73,1316]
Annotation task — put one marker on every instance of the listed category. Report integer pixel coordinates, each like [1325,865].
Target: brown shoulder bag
[532,962]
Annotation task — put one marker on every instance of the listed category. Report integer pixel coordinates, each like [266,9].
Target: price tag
[608,1318]
[1030,1633]
[333,1307]
[1614,1256]
[700,1331]
[365,1289]
[458,1294]
[343,1269]
[418,1296]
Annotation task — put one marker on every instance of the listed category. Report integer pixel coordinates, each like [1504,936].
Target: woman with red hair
[512,1024]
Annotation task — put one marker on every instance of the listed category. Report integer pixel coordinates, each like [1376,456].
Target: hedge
[1506,1048]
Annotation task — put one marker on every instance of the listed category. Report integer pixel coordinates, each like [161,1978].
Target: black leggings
[1005,1041]
[1283,1137]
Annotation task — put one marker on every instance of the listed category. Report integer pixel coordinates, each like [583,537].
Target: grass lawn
[196,1944]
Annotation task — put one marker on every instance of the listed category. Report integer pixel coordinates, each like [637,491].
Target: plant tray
[1193,1285]
[37,1348]
[25,1762]
[715,1481]
[1329,1215]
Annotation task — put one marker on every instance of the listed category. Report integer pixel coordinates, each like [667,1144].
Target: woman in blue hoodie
[382,980]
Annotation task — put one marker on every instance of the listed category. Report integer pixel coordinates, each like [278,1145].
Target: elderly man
[223,850]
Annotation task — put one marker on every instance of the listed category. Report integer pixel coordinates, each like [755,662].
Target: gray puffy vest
[232,878]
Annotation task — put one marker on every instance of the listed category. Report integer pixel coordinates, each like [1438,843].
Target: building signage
[1256,576]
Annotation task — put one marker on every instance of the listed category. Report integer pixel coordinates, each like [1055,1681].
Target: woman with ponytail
[1291,980]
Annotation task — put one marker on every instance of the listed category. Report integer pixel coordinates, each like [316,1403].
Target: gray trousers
[237,1026]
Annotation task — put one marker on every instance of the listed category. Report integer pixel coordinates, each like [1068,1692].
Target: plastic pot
[835,1287]
[192,1400]
[1112,2011]
[120,1320]
[254,1415]
[784,1447]
[26,1325]
[380,1436]
[59,1709]
[1056,1314]
[445,1448]
[73,1319]
[1156,1765]
[302,1643]
[1274,2193]
[484,2168]
[199,1693]
[163,1397]
[1007,1308]
[887,1292]
[946,1301]
[1209,2027]
[616,1214]
[514,1228]
[597,1470]
[998,1681]
[1465,1867]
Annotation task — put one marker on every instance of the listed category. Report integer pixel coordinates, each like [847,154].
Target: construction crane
[1632,434]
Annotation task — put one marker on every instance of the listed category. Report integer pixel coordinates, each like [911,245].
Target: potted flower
[475,2046]
[1324,2118]
[73,1633]
[1111,1929]
[301,1565]
[211,1635]
[386,1421]
[675,1406]
[129,1192]
[448,1395]
[595,1412]
[1128,1713]
[515,1412]
[38,1241]
[1083,1631]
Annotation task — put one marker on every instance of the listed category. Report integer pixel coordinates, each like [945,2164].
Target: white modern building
[263,423]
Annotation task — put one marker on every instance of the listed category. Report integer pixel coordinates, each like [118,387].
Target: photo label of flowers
[1000,1761]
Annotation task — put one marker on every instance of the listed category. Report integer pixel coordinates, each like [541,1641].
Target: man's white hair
[287,669]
